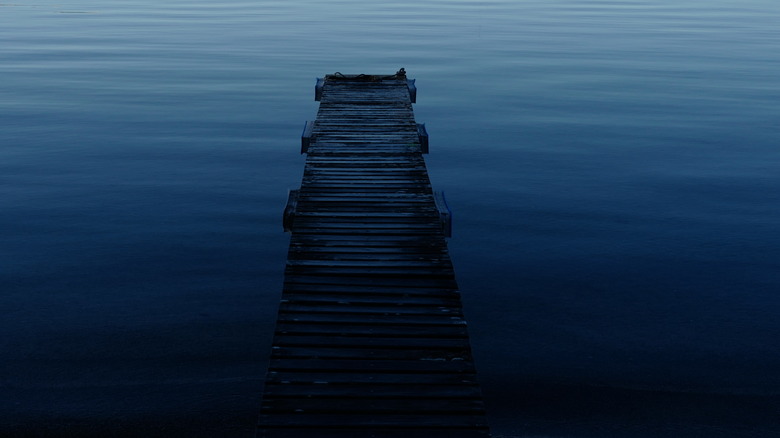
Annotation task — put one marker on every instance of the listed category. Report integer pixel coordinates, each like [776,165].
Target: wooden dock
[370,339]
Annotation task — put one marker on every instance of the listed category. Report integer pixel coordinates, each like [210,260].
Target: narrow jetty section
[370,339]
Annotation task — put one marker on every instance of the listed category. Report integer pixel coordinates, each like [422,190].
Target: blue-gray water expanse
[613,168]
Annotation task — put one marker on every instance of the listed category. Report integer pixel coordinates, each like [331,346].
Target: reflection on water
[612,167]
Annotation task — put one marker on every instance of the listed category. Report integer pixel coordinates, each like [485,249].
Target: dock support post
[445,214]
[412,90]
[422,134]
[306,136]
[318,89]
[289,210]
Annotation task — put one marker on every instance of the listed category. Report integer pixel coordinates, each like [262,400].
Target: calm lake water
[613,167]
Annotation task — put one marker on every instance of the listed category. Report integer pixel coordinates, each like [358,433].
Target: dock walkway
[370,339]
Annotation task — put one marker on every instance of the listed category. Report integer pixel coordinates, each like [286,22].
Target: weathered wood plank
[361,281]
[428,363]
[443,432]
[407,294]
[376,406]
[374,390]
[336,311]
[360,354]
[367,329]
[338,378]
[423,322]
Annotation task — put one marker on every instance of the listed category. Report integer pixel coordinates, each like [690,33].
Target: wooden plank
[434,363]
[367,377]
[465,406]
[366,329]
[443,432]
[361,281]
[376,341]
[423,322]
[337,310]
[360,354]
[372,390]
[354,420]
[407,293]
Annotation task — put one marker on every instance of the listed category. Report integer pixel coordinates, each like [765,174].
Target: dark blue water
[613,167]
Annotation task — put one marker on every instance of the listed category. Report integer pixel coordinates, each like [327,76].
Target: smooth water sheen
[613,167]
